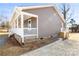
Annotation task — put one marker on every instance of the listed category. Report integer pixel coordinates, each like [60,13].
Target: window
[29,23]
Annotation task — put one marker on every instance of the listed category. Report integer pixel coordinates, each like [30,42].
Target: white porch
[25,25]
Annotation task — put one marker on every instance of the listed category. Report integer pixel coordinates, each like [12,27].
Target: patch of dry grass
[11,49]
[74,36]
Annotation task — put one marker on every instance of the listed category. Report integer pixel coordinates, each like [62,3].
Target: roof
[34,7]
[42,6]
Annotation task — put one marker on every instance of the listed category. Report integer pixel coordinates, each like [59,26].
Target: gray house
[35,22]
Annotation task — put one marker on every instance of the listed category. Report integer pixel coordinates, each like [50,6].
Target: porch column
[17,22]
[37,26]
[22,20]
[14,24]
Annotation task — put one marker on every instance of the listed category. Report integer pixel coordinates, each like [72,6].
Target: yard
[74,36]
[69,47]
[13,49]
[58,48]
[42,47]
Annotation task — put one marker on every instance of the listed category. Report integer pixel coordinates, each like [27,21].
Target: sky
[6,9]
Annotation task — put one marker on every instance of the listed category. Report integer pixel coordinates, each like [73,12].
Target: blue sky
[7,8]
[74,9]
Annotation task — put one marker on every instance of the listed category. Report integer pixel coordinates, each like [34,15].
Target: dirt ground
[13,49]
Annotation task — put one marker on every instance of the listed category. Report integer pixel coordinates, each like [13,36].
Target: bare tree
[67,15]
[4,22]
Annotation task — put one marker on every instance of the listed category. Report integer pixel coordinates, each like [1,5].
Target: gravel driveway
[58,48]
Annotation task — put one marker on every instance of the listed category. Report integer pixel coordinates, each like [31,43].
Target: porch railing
[30,31]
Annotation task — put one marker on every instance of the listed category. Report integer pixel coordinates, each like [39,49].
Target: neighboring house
[35,22]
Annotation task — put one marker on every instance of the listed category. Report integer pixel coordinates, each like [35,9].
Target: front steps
[14,41]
